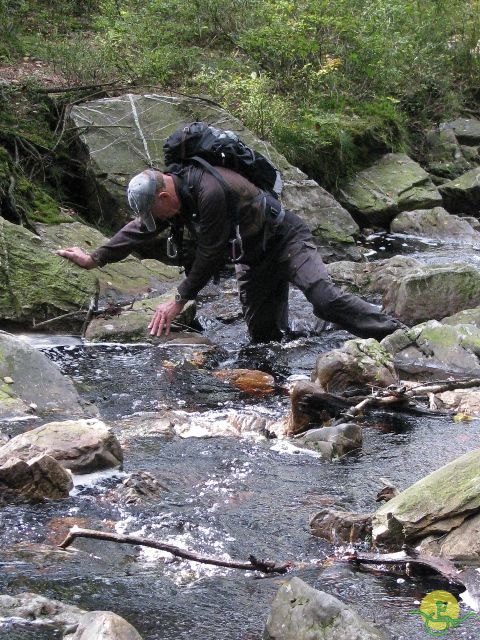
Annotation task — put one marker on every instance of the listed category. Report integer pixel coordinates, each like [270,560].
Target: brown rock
[341,526]
[253,382]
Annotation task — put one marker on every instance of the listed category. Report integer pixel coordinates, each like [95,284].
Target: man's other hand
[163,316]
[78,256]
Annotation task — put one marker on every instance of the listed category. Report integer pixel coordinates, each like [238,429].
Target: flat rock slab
[82,446]
[130,324]
[123,135]
[33,380]
[392,184]
[300,612]
[436,504]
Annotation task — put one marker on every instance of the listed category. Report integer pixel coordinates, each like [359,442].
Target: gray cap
[141,196]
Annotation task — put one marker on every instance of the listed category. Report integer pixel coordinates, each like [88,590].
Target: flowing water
[225,497]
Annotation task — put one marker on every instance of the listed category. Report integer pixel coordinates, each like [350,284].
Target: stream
[224,496]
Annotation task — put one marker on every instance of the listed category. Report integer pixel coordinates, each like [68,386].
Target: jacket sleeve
[130,238]
[212,237]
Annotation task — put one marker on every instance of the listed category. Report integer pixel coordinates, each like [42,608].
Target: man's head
[151,194]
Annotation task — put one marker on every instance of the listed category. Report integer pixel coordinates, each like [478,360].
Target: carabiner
[172,249]
[236,244]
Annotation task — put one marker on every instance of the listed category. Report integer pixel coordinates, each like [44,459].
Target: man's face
[166,205]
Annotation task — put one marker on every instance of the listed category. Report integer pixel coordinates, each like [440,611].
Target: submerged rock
[392,184]
[82,446]
[437,504]
[33,480]
[255,383]
[358,364]
[341,527]
[114,154]
[34,384]
[333,442]
[300,612]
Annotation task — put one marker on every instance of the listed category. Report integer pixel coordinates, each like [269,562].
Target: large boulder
[30,381]
[82,446]
[104,625]
[434,347]
[436,223]
[433,293]
[466,130]
[357,364]
[462,195]
[37,285]
[333,442]
[392,184]
[300,612]
[461,544]
[444,155]
[121,136]
[437,504]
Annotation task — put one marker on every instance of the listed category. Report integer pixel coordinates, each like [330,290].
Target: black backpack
[199,141]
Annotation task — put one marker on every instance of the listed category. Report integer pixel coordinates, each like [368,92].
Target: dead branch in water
[265,566]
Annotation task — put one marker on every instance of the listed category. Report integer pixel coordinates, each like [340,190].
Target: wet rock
[436,223]
[433,293]
[309,404]
[433,348]
[110,155]
[212,424]
[392,184]
[82,446]
[35,381]
[333,442]
[138,488]
[461,544]
[338,526]
[33,480]
[104,625]
[437,504]
[300,612]
[462,195]
[130,324]
[76,624]
[255,383]
[358,364]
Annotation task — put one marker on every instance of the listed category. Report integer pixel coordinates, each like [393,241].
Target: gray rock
[104,625]
[462,195]
[467,130]
[341,527]
[433,348]
[436,223]
[35,381]
[116,153]
[357,364]
[300,612]
[461,544]
[436,504]
[433,293]
[333,442]
[38,478]
[82,446]
[76,624]
[444,155]
[392,184]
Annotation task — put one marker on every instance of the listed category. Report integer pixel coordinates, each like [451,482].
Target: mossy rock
[462,195]
[392,184]
[436,504]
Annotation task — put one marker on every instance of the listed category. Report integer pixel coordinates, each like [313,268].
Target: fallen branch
[409,557]
[265,566]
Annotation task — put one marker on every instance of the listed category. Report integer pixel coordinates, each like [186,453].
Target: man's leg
[263,292]
[308,272]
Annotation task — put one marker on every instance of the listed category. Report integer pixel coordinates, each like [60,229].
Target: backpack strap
[236,245]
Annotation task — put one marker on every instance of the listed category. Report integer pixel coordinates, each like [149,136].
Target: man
[272,248]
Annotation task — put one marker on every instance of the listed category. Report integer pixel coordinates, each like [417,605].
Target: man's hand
[78,256]
[163,316]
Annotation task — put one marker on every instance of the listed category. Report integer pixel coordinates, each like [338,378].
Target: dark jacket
[204,204]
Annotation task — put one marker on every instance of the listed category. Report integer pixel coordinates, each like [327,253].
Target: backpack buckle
[236,247]
[172,249]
